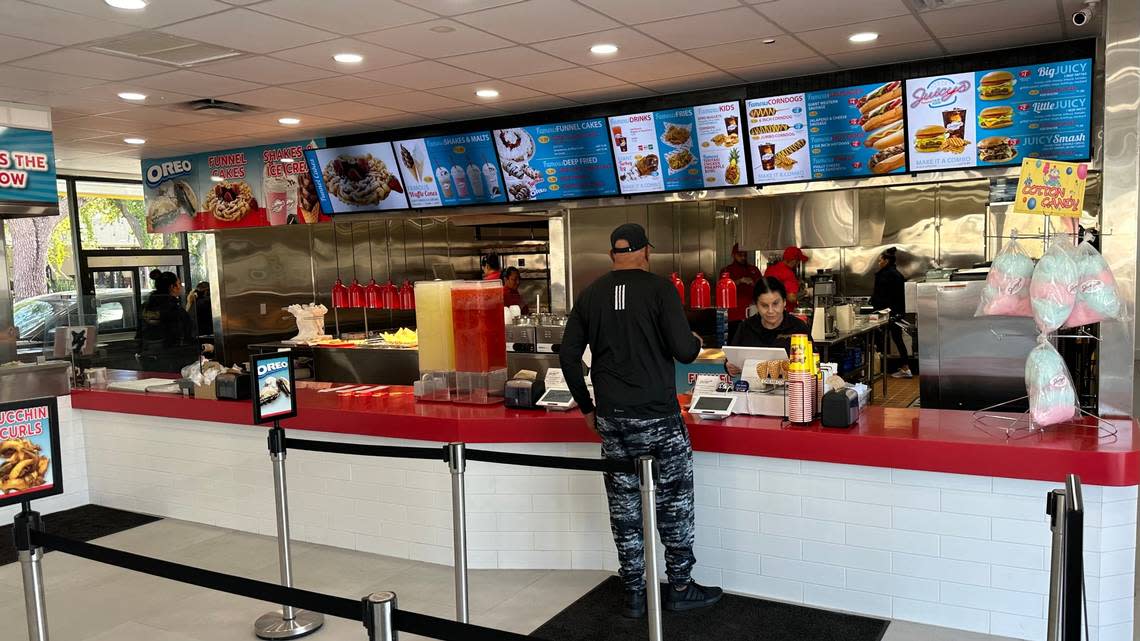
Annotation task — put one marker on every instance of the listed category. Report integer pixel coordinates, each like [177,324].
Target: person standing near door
[166,335]
[198,307]
[634,324]
[890,293]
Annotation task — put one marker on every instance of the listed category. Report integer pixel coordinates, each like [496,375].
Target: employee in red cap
[745,276]
[785,271]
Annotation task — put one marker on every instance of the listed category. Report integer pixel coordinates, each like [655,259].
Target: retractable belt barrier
[382,451]
[615,466]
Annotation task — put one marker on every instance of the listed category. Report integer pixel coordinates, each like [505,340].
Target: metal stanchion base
[273,626]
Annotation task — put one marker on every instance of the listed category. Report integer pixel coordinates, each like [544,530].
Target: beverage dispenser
[480,341]
[434,325]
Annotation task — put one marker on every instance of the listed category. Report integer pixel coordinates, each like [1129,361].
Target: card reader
[713,406]
[557,399]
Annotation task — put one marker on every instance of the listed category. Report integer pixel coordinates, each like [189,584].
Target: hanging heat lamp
[355,290]
[407,295]
[373,293]
[340,297]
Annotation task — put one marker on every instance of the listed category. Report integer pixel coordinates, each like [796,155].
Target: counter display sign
[29,451]
[777,131]
[997,117]
[27,166]
[856,131]
[274,385]
[560,160]
[1051,188]
[357,179]
[450,170]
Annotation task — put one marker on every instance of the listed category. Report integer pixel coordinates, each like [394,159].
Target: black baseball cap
[632,233]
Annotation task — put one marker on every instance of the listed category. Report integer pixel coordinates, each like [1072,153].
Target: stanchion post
[31,566]
[1055,508]
[289,623]
[380,615]
[457,463]
[645,467]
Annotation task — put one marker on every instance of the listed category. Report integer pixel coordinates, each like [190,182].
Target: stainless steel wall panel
[962,223]
[664,235]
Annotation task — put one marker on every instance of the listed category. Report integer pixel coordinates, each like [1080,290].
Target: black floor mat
[597,617]
[81,523]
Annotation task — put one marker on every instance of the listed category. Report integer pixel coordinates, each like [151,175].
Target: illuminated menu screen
[999,116]
[556,161]
[450,170]
[357,179]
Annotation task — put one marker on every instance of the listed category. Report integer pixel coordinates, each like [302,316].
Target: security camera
[1086,14]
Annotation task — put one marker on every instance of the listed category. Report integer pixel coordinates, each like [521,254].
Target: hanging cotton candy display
[1007,285]
[1052,398]
[1053,290]
[1097,296]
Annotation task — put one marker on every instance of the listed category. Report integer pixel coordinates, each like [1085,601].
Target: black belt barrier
[386,451]
[560,462]
[437,628]
[350,609]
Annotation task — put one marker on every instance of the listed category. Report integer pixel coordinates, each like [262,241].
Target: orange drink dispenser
[480,341]
[436,339]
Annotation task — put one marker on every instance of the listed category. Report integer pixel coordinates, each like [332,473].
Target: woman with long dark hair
[890,292]
[772,326]
[167,337]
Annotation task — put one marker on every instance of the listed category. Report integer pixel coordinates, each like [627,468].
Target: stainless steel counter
[34,380]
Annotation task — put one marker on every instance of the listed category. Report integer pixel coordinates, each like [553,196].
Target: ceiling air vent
[164,48]
[215,107]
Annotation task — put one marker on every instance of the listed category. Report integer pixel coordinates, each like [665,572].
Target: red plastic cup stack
[801,397]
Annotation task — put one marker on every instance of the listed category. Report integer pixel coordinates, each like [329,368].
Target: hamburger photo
[995,117]
[888,136]
[887,160]
[879,95]
[996,149]
[996,85]
[885,114]
[929,138]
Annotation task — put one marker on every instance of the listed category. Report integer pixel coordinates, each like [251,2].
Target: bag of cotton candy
[1052,397]
[1007,286]
[1053,290]
[1098,298]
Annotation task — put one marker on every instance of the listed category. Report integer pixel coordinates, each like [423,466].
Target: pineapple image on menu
[732,173]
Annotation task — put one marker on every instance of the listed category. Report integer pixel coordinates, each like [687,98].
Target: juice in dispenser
[436,339]
[480,341]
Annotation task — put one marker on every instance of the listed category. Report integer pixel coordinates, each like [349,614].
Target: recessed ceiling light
[289,121]
[130,95]
[865,36]
[487,93]
[217,179]
[604,49]
[132,5]
[349,58]
[442,28]
[769,41]
[135,141]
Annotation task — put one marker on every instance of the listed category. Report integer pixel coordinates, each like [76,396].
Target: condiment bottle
[725,292]
[700,292]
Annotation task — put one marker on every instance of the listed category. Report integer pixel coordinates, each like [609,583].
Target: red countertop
[915,439]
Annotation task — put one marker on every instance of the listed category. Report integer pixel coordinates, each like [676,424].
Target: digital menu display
[777,132]
[450,170]
[855,131]
[357,179]
[999,116]
[275,385]
[30,464]
[560,160]
[678,149]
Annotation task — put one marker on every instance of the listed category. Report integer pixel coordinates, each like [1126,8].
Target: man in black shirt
[635,326]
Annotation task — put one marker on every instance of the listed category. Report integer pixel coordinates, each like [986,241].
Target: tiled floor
[901,392]
[92,602]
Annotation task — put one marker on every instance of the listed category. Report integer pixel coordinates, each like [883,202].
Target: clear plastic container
[480,341]
[434,325]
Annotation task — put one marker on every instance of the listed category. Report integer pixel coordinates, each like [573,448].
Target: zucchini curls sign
[1051,188]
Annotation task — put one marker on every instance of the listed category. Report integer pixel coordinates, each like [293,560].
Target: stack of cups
[801,389]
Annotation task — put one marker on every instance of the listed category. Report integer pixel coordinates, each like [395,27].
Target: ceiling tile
[95,65]
[793,16]
[536,20]
[892,31]
[415,101]
[506,90]
[783,69]
[110,92]
[508,62]
[248,31]
[637,11]
[610,94]
[887,55]
[26,96]
[453,7]
[102,123]
[466,112]
[12,48]
[345,16]
[692,82]
[426,74]
[419,39]
[20,78]
[80,103]
[630,43]
[321,55]
[348,110]
[266,70]
[753,52]
[160,116]
[348,88]
[157,14]
[277,98]
[567,80]
[711,28]
[994,16]
[650,68]
[1009,38]
[45,24]
[538,103]
[196,84]
[70,134]
[267,122]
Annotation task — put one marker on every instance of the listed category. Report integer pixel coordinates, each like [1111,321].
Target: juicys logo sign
[1051,188]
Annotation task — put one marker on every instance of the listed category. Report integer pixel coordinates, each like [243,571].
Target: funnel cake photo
[230,201]
[360,180]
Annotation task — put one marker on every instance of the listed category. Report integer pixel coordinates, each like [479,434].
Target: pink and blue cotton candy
[1053,291]
[1006,292]
[1052,398]
[1097,296]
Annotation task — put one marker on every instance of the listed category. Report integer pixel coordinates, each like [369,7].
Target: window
[113,216]
[40,254]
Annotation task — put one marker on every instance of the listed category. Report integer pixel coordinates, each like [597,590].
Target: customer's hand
[733,370]
[592,422]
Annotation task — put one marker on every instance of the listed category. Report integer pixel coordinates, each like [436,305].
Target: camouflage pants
[667,440]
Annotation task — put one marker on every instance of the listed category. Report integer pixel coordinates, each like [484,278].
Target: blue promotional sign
[560,160]
[27,166]
[30,466]
[847,127]
[361,178]
[450,170]
[275,384]
[998,117]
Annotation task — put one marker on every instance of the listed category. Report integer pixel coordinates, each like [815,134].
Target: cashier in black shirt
[772,326]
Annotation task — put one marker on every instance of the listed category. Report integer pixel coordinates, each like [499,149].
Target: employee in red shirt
[745,276]
[490,265]
[785,271]
[511,295]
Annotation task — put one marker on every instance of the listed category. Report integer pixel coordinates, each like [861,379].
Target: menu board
[777,131]
[30,465]
[450,170]
[248,187]
[856,131]
[357,179]
[274,386]
[27,166]
[560,160]
[999,116]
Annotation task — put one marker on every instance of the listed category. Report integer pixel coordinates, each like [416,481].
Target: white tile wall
[965,552]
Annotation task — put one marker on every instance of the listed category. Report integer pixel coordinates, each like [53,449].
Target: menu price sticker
[1051,188]
[30,463]
[274,387]
[27,166]
[856,131]
[777,132]
[450,170]
[559,160]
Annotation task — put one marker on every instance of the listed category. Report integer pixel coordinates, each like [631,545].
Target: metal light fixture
[373,293]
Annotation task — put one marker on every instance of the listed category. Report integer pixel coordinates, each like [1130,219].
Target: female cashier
[772,325]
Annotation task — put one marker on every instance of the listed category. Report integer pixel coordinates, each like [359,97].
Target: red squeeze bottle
[699,292]
[680,285]
[340,294]
[725,292]
[356,294]
[374,295]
